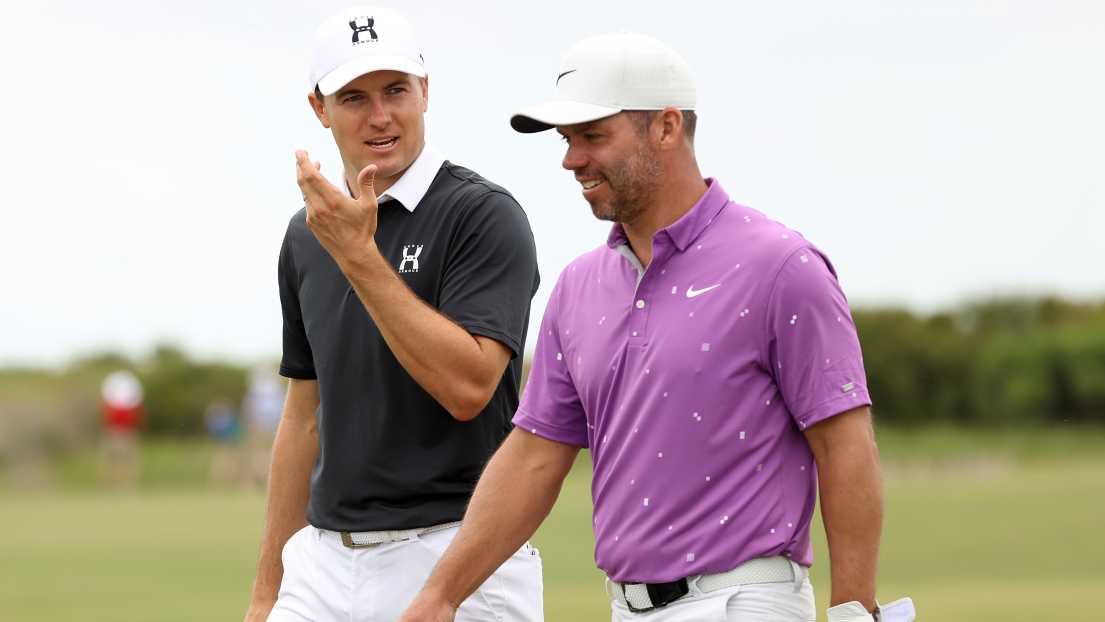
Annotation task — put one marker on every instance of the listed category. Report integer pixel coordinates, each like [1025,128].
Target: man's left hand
[344,226]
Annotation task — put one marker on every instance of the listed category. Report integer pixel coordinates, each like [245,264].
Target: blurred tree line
[60,409]
[1010,361]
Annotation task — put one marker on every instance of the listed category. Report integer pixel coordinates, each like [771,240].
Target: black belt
[659,594]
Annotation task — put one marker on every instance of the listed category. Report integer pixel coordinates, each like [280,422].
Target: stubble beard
[633,186]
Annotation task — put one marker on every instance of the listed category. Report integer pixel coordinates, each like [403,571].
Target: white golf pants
[324,581]
[758,602]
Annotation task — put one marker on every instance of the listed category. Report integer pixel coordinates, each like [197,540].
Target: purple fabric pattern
[692,389]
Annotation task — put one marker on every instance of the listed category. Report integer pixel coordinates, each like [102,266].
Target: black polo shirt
[390,456]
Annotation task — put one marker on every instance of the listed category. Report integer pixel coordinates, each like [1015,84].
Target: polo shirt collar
[415,181]
[683,231]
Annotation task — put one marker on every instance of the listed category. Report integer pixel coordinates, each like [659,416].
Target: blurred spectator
[121,405]
[262,407]
[23,453]
[225,428]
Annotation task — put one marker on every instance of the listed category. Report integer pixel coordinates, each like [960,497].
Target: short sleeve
[491,272]
[550,406]
[812,347]
[297,360]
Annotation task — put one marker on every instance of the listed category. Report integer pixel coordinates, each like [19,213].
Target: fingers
[365,179]
[301,159]
[314,184]
[311,181]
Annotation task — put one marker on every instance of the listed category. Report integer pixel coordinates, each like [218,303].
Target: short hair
[690,121]
[641,119]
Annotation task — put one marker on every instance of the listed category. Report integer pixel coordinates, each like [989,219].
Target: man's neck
[672,204]
[380,185]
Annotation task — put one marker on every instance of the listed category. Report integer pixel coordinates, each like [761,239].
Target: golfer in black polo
[405,285]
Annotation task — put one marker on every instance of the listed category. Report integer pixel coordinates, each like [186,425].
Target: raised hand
[345,227]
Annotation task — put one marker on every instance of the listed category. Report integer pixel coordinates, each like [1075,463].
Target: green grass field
[980,526]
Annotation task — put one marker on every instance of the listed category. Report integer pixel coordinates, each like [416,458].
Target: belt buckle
[347,540]
[628,604]
[659,594]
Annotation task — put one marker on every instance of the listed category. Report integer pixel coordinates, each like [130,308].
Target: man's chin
[599,209]
[603,214]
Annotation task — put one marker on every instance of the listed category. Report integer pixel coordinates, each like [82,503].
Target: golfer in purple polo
[706,356]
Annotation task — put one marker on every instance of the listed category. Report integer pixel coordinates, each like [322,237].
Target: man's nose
[378,114]
[573,159]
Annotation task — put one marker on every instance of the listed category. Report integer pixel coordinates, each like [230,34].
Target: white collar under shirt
[415,181]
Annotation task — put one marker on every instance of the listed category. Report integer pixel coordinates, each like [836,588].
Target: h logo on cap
[358,29]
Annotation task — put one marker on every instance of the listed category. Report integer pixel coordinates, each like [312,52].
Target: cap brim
[558,112]
[332,82]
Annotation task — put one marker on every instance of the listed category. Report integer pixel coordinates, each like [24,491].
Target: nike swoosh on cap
[564,74]
[691,292]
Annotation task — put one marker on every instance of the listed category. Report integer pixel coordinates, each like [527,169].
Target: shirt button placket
[638,318]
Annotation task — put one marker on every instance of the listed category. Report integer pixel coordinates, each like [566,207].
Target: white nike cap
[607,74]
[361,40]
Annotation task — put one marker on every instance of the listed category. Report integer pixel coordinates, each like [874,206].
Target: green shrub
[1046,374]
[918,370]
[178,391]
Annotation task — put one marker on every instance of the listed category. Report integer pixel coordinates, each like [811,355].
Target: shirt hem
[298,374]
[828,409]
[498,335]
[546,431]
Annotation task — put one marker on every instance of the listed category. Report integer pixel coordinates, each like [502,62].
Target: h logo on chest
[410,258]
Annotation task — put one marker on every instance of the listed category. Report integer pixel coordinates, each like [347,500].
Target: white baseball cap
[361,40]
[604,75]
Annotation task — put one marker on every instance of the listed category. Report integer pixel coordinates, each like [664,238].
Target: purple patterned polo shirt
[691,384]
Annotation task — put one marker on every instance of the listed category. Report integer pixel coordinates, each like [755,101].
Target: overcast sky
[938,151]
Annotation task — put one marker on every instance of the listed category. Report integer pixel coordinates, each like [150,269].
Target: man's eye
[352,98]
[397,90]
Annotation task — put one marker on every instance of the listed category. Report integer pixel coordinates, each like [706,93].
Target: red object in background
[122,417]
[121,402]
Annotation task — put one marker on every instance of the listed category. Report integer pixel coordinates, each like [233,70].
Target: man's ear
[667,128]
[319,108]
[425,92]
